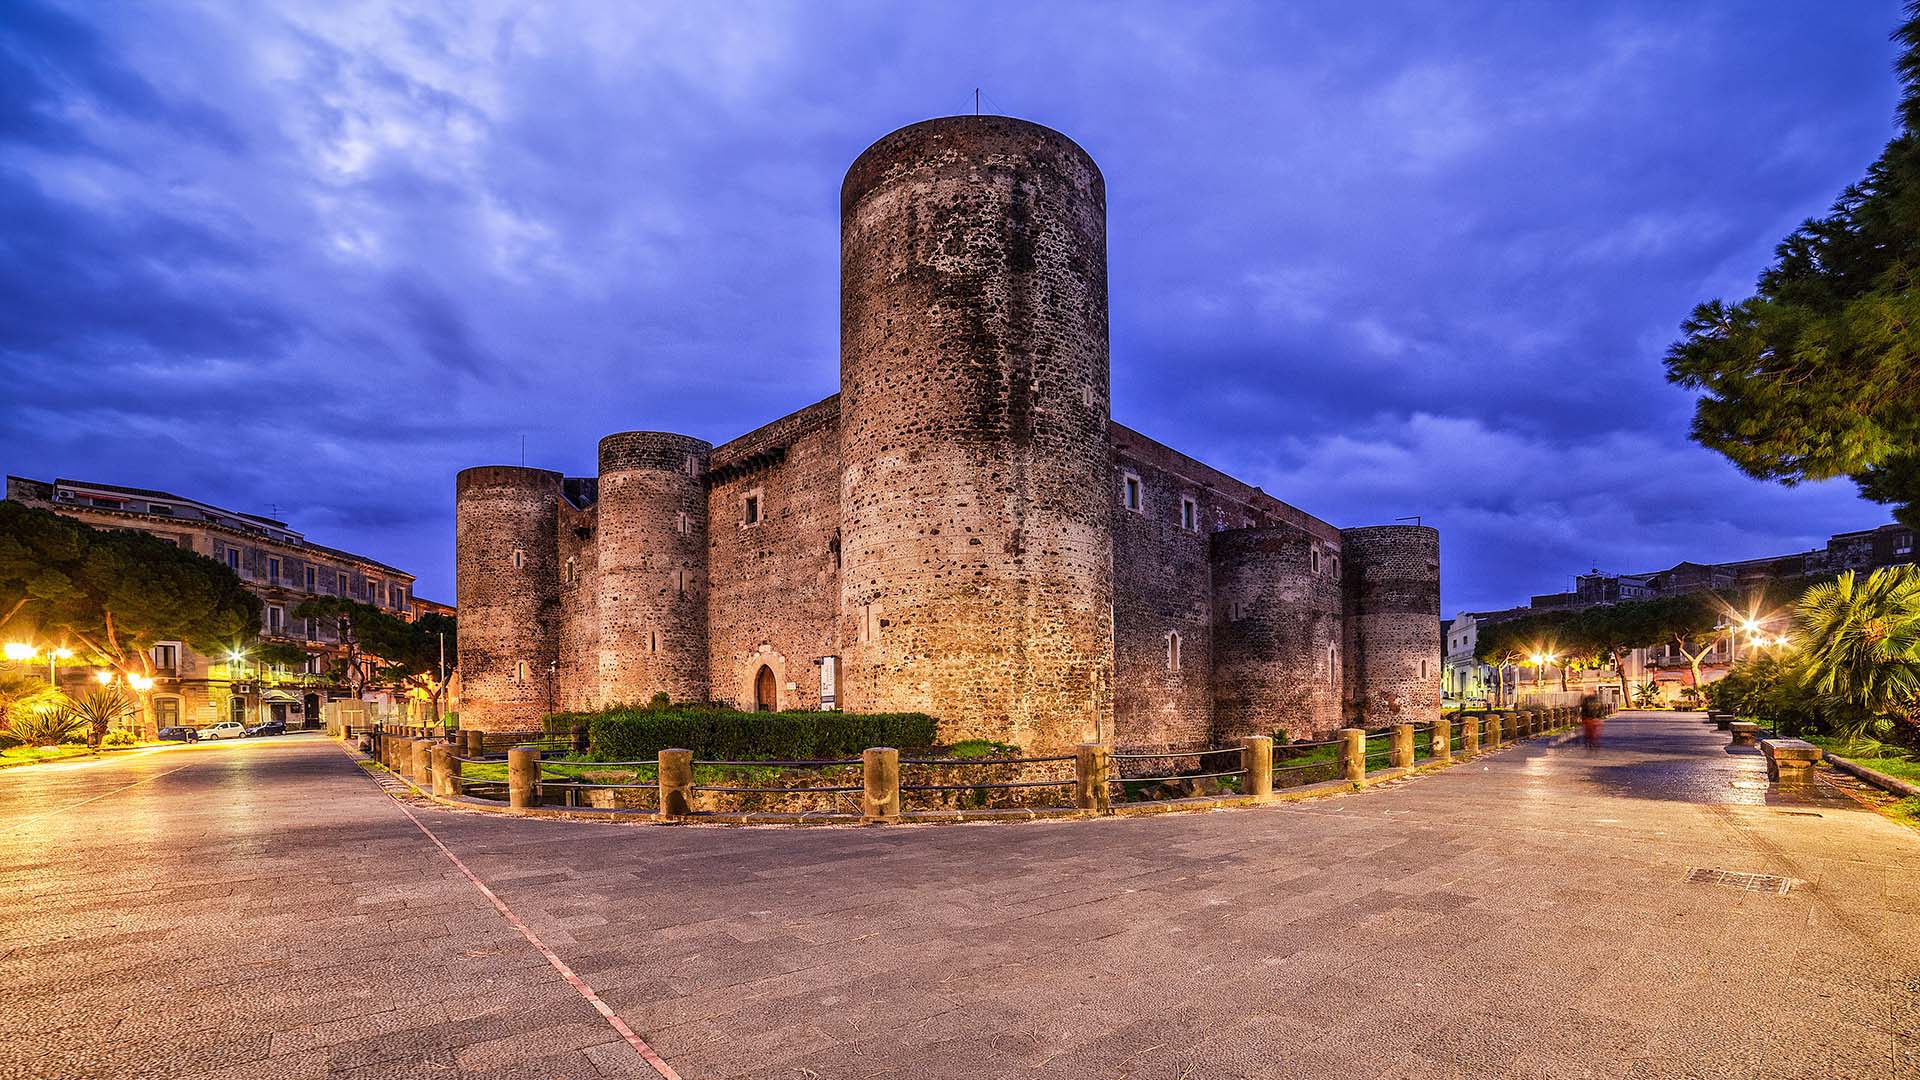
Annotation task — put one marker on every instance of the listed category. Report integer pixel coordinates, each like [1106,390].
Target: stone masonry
[962,530]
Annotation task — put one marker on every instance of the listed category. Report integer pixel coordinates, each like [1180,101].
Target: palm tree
[1861,645]
[99,709]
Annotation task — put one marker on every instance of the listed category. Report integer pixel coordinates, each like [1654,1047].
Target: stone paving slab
[264,910]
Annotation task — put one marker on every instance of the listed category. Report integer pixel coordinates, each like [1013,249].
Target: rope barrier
[777,790]
[977,787]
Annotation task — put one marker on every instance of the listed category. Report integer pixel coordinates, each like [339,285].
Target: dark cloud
[320,257]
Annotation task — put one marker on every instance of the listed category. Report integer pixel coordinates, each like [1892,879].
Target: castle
[961,530]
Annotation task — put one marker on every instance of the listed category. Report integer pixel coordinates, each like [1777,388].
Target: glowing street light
[140,682]
[104,678]
[20,650]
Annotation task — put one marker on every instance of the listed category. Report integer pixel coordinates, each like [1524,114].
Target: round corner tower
[652,576]
[977,578]
[506,587]
[1393,622]
[1277,644]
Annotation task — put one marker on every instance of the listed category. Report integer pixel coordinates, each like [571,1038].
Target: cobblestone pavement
[264,910]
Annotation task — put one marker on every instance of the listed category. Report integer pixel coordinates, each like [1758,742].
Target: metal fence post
[676,783]
[880,779]
[1441,741]
[523,777]
[1353,754]
[1256,756]
[1400,750]
[1090,766]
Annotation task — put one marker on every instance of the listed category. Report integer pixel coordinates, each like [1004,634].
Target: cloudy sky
[1412,258]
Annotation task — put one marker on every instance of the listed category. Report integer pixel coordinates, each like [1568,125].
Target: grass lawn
[1880,757]
[29,755]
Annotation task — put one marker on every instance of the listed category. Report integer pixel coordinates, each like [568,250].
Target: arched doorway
[766,697]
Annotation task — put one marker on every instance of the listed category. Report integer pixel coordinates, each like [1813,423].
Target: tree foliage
[110,594]
[383,647]
[1817,374]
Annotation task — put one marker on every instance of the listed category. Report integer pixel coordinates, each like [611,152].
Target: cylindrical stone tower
[1393,623]
[506,587]
[1277,635]
[977,575]
[652,571]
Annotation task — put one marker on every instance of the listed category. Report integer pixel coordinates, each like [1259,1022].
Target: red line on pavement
[633,1039]
[96,798]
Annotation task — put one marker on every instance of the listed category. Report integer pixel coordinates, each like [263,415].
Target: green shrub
[49,725]
[714,733]
[119,737]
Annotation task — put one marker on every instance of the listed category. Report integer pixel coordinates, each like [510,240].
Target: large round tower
[1393,623]
[977,576]
[652,572]
[506,588]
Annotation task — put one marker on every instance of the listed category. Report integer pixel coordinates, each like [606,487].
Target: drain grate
[1761,883]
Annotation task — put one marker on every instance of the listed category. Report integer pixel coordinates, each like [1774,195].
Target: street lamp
[104,678]
[19,650]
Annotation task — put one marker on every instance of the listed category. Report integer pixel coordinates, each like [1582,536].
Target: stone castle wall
[952,529]
[976,532]
[775,596]
[1392,628]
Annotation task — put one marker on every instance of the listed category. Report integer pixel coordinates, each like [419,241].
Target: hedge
[631,733]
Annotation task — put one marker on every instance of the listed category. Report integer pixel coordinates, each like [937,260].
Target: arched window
[766,696]
[520,671]
[1173,650]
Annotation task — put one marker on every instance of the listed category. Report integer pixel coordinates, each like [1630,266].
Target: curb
[1877,779]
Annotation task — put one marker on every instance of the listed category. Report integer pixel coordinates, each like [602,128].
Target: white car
[225,729]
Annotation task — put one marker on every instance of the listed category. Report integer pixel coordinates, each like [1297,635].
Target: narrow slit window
[1173,650]
[520,671]
[1333,674]
[751,514]
[1313,560]
[653,641]
[573,572]
[519,559]
[1189,515]
[1130,492]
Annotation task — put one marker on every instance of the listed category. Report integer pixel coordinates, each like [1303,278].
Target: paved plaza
[266,910]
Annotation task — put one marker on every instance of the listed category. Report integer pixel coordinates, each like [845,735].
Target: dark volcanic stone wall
[1393,611]
[578,645]
[1278,612]
[652,574]
[976,519]
[1234,671]
[508,614]
[776,585]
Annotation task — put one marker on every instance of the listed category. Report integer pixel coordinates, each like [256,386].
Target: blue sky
[1413,258]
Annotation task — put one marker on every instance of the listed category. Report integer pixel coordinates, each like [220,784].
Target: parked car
[225,729]
[271,727]
[178,734]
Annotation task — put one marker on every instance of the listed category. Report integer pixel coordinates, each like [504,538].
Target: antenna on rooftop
[523,451]
[976,101]
[1415,519]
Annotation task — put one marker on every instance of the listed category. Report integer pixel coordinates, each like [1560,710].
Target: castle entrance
[765,699]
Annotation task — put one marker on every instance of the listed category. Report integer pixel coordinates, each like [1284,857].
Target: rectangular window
[751,514]
[685,524]
[313,628]
[160,508]
[276,619]
[1313,560]
[680,581]
[273,569]
[1130,492]
[1336,565]
[316,664]
[373,591]
[1173,652]
[1903,544]
[166,657]
[1189,515]
[310,579]
[340,584]
[233,559]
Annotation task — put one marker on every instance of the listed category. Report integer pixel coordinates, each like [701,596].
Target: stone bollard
[523,777]
[421,762]
[1442,741]
[1790,762]
[1353,754]
[442,770]
[1091,764]
[676,784]
[1400,747]
[1469,735]
[1745,733]
[476,742]
[1493,730]
[880,784]
[1256,756]
[581,744]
